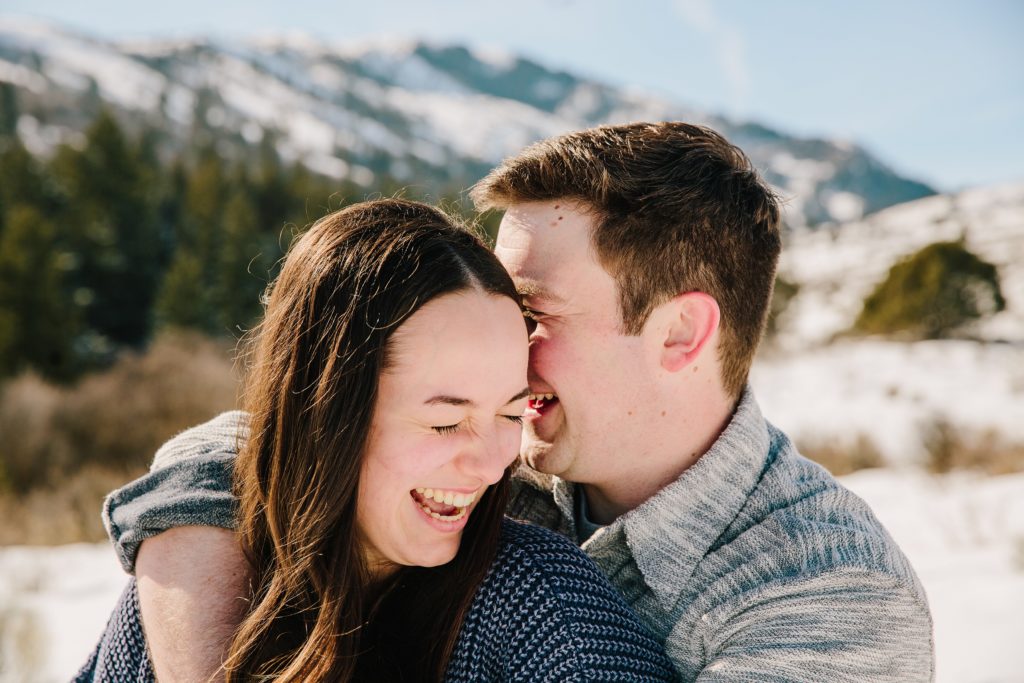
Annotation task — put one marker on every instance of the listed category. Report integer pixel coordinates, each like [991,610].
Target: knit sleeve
[844,626]
[547,613]
[120,656]
[190,484]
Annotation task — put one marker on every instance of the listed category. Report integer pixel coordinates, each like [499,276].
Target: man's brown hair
[677,208]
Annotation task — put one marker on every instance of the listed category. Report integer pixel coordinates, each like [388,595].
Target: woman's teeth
[445,518]
[459,500]
[446,506]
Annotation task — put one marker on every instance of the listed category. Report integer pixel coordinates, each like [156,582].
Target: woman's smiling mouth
[447,510]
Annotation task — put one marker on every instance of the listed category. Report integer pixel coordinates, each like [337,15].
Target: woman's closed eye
[447,429]
[451,429]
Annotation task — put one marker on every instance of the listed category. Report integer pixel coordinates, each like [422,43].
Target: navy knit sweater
[543,613]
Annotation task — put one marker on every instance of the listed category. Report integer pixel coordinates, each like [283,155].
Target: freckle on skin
[695,368]
[557,206]
[663,413]
[630,412]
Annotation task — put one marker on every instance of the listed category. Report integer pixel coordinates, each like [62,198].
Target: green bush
[932,293]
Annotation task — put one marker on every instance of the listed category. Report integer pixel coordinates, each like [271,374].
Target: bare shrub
[120,417]
[116,418]
[29,445]
[67,511]
[948,447]
[63,449]
[843,456]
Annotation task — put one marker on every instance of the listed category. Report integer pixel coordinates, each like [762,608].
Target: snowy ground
[964,534]
[965,537]
[892,391]
[54,603]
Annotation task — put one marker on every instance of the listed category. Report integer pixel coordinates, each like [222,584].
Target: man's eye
[446,429]
[518,419]
[531,318]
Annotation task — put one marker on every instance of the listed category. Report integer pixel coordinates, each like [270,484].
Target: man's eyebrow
[445,400]
[531,289]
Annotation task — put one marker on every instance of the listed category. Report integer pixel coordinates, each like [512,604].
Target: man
[645,255]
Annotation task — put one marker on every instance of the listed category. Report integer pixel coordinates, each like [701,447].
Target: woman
[385,394]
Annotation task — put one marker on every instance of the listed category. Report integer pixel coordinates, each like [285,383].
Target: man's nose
[536,346]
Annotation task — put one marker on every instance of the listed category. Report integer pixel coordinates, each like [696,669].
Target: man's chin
[543,457]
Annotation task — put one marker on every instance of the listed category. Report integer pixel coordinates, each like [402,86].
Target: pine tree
[183,300]
[37,326]
[244,266]
[112,218]
[8,110]
[23,180]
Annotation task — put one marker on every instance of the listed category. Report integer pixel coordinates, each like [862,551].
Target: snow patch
[845,206]
[892,392]
[16,74]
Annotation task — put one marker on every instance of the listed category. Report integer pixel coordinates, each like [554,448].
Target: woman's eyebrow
[448,401]
[522,394]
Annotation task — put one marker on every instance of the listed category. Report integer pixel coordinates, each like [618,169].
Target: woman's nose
[489,455]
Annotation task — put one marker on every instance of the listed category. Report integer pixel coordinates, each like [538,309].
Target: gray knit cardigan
[543,613]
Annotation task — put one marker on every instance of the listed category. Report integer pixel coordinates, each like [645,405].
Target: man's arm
[193,585]
[174,529]
[844,626]
[190,484]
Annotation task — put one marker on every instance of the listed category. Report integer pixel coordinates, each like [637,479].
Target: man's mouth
[541,402]
[443,505]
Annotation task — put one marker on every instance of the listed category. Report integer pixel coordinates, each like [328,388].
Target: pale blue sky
[936,89]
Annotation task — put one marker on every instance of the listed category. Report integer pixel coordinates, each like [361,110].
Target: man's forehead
[543,232]
[535,270]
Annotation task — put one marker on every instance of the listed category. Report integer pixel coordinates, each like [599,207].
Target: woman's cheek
[417,458]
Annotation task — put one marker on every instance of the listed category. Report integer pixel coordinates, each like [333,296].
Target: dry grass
[64,448]
[841,456]
[951,448]
[63,512]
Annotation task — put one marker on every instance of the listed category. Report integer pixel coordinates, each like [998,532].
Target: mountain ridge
[414,110]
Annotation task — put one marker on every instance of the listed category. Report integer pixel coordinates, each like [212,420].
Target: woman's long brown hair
[317,614]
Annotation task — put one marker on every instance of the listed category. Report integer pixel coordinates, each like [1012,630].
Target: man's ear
[693,321]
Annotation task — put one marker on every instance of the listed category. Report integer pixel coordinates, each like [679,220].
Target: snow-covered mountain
[438,115]
[838,266]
